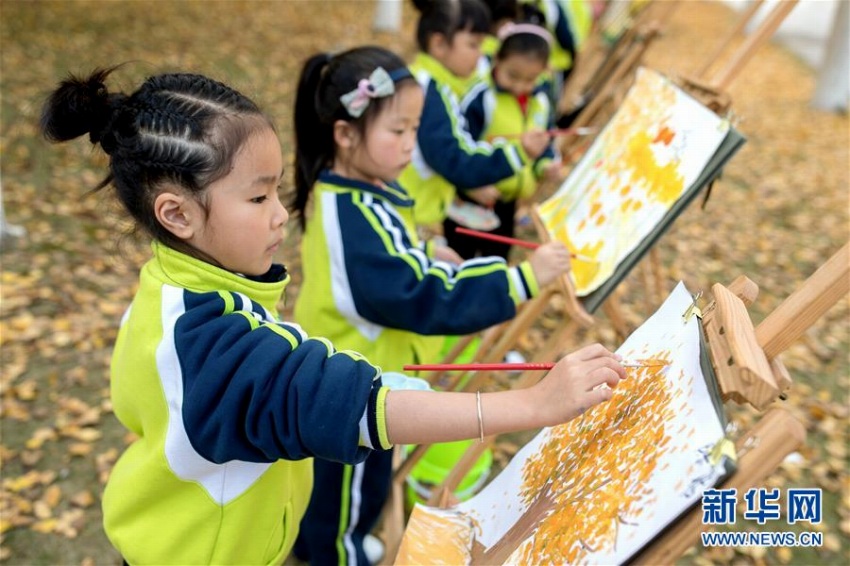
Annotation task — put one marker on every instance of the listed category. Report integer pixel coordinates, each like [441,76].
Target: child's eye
[259,199]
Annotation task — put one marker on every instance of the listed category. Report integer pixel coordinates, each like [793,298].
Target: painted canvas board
[597,489]
[651,152]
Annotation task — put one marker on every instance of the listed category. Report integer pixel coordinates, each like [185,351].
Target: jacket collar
[199,276]
[458,85]
[391,191]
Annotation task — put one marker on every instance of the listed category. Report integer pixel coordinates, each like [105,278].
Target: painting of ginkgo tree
[651,152]
[597,489]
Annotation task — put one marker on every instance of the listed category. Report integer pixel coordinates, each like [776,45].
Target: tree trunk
[519,531]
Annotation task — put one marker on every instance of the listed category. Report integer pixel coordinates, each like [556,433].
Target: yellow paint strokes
[435,536]
[635,171]
[596,468]
[585,271]
[563,236]
[662,183]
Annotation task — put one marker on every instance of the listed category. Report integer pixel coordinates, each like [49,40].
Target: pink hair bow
[378,85]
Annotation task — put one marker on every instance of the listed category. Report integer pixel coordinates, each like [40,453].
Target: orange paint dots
[665,136]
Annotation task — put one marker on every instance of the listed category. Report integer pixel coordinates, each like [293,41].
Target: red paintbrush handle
[479,367]
[515,242]
[497,238]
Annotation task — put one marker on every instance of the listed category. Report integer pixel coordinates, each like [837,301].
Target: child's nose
[410,142]
[281,216]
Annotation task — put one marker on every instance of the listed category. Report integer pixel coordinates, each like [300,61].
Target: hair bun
[79,106]
[425,6]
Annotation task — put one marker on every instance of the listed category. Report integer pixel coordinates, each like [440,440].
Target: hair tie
[379,85]
[511,28]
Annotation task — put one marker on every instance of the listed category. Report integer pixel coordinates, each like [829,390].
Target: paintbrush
[555,132]
[514,242]
[543,366]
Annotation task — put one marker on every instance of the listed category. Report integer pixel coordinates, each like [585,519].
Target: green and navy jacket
[492,114]
[446,157]
[570,22]
[227,403]
[370,285]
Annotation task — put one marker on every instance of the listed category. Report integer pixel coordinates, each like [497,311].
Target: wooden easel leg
[515,328]
[614,311]
[404,468]
[463,466]
[555,343]
[628,64]
[439,379]
[646,283]
[392,521]
[459,347]
[735,32]
[658,277]
[771,23]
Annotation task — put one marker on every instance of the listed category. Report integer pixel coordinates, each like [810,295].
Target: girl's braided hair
[176,129]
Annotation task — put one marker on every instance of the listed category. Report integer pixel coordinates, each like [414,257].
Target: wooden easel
[625,56]
[712,93]
[711,90]
[577,315]
[724,77]
[746,361]
[497,341]
[614,72]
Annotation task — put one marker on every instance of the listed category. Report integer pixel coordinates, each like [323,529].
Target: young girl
[369,285]
[449,34]
[511,101]
[225,399]
[570,22]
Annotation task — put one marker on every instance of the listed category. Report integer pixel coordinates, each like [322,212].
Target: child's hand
[445,253]
[534,142]
[485,196]
[578,382]
[549,261]
[554,172]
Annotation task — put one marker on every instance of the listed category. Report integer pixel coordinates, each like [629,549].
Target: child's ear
[344,134]
[438,46]
[174,211]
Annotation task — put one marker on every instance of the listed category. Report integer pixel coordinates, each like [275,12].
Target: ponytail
[314,144]
[79,106]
